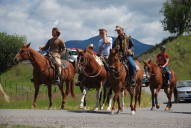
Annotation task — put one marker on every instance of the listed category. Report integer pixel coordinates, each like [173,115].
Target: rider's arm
[167,61]
[62,46]
[46,47]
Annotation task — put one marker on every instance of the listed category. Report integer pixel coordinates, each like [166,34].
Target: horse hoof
[102,108]
[108,109]
[133,112]
[112,112]
[96,109]
[167,108]
[157,106]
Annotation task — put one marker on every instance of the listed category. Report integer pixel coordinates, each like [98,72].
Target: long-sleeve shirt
[55,45]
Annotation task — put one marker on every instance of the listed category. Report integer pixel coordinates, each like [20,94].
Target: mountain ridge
[139,47]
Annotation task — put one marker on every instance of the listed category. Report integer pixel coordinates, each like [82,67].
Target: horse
[135,92]
[44,73]
[6,97]
[117,77]
[157,82]
[94,75]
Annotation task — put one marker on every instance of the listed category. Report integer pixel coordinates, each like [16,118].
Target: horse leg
[67,89]
[36,86]
[105,94]
[98,94]
[119,105]
[83,98]
[152,97]
[136,97]
[110,100]
[156,99]
[50,96]
[131,101]
[114,100]
[169,95]
[63,97]
[123,100]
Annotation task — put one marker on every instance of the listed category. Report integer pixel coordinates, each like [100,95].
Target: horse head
[150,67]
[114,61]
[23,54]
[83,57]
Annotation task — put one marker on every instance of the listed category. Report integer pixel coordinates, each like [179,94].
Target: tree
[177,16]
[9,46]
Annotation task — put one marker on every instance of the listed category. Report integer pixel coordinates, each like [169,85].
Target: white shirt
[104,48]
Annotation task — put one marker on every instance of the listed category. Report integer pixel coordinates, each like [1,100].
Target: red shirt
[161,58]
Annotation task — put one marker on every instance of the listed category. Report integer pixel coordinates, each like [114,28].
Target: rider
[56,48]
[104,45]
[162,61]
[124,45]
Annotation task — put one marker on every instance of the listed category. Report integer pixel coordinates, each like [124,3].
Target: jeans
[132,66]
[166,69]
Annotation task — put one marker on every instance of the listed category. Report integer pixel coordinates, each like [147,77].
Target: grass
[16,82]
[179,50]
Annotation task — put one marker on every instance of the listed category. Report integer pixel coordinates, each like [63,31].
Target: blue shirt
[104,48]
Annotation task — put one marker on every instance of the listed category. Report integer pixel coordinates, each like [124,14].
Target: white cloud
[79,20]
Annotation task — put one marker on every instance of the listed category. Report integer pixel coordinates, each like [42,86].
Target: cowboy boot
[58,75]
[133,82]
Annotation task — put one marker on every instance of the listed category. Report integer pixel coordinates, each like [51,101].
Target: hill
[179,50]
[140,47]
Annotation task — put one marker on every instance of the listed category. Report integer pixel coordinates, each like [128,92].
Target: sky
[81,19]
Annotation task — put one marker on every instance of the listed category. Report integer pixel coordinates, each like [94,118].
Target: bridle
[82,66]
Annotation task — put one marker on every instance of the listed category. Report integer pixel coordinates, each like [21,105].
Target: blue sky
[81,19]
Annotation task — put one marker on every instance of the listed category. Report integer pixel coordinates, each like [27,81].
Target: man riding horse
[124,45]
[162,61]
[104,46]
[55,47]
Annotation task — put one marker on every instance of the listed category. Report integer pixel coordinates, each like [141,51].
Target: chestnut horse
[94,75]
[122,82]
[43,73]
[117,78]
[156,83]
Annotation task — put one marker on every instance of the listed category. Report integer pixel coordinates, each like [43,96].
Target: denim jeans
[166,69]
[132,66]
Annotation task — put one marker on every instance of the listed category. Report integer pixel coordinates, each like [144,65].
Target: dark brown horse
[94,75]
[123,80]
[43,73]
[156,83]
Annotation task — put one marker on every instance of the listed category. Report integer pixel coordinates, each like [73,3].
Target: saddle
[53,63]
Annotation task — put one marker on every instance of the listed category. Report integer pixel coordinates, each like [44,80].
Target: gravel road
[178,117]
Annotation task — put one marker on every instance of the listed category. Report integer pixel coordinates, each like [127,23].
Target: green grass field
[16,82]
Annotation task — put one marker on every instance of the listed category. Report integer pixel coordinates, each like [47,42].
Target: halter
[83,68]
[114,69]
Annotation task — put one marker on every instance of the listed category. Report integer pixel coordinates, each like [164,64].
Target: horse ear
[28,45]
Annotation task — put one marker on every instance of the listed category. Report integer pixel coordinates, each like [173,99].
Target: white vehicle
[71,55]
[182,91]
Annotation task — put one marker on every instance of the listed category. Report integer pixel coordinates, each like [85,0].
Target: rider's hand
[40,47]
